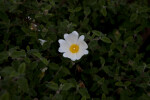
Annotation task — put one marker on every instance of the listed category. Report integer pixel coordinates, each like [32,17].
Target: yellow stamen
[74,48]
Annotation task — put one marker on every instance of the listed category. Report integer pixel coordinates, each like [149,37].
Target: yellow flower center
[74,48]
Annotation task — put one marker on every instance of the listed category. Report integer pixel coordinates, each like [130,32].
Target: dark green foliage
[116,68]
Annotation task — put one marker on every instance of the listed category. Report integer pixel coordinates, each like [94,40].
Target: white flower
[73,47]
[44,69]
[42,41]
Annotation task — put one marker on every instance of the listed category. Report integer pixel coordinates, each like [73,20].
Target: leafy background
[116,68]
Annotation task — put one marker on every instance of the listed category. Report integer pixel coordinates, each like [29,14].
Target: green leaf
[119,83]
[84,93]
[58,97]
[83,98]
[5,96]
[104,11]
[104,97]
[67,86]
[7,71]
[102,61]
[37,54]
[65,70]
[97,33]
[53,86]
[44,60]
[127,83]
[23,85]
[133,17]
[4,16]
[105,39]
[18,54]
[105,88]
[22,68]
[3,56]
[78,9]
[87,11]
[53,66]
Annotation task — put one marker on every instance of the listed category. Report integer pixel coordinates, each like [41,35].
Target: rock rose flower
[73,46]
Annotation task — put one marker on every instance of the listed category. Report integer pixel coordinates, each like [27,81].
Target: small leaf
[84,93]
[102,61]
[87,11]
[104,11]
[105,88]
[97,33]
[23,85]
[53,86]
[22,68]
[44,60]
[106,40]
[67,86]
[3,56]
[65,70]
[127,83]
[18,54]
[53,66]
[103,96]
[78,9]
[119,84]
[133,17]
[83,98]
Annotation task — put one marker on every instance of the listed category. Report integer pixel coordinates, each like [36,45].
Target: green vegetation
[116,68]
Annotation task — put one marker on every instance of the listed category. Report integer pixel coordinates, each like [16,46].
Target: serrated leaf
[106,39]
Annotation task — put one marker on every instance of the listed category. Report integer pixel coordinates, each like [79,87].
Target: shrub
[116,68]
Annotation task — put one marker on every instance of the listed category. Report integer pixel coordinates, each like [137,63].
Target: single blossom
[73,46]
[42,41]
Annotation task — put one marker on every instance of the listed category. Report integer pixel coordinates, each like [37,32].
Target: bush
[116,68]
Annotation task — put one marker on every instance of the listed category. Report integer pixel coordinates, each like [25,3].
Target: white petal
[61,41]
[81,37]
[82,44]
[65,35]
[86,52]
[70,55]
[71,38]
[64,47]
[79,54]
[42,41]
[75,33]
